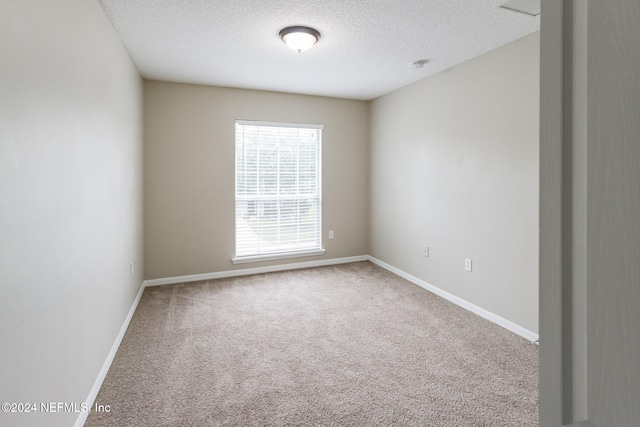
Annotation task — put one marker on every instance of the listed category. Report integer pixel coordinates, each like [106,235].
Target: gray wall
[189,172]
[70,200]
[454,165]
[589,210]
[450,161]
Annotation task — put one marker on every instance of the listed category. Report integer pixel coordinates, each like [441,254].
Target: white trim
[93,393]
[257,270]
[280,255]
[501,321]
[498,320]
[277,124]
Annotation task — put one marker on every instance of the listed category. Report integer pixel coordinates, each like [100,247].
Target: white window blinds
[278,196]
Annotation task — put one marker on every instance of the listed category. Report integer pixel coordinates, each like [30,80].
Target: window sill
[271,257]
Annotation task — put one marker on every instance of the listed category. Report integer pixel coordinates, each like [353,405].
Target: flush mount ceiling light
[299,38]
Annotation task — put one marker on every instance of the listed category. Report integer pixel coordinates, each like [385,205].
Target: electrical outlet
[132,268]
[426,251]
[331,234]
[467,264]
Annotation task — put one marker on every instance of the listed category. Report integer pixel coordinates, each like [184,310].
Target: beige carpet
[346,345]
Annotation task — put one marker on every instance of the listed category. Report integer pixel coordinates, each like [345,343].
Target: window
[278,195]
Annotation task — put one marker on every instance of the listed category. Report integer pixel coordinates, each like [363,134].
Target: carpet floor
[345,345]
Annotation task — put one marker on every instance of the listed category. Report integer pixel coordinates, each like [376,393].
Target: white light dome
[299,38]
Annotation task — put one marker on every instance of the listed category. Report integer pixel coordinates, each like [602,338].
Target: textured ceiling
[366,49]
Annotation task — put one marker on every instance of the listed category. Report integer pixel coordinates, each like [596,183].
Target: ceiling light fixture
[299,38]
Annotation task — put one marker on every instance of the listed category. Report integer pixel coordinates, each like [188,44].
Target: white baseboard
[501,321]
[249,271]
[93,393]
[492,317]
[507,324]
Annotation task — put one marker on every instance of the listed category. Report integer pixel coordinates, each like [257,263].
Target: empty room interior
[118,175]
[148,271]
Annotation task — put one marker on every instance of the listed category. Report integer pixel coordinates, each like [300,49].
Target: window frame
[240,259]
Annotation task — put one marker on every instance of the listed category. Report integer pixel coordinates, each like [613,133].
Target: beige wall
[189,172]
[454,165]
[451,161]
[70,200]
